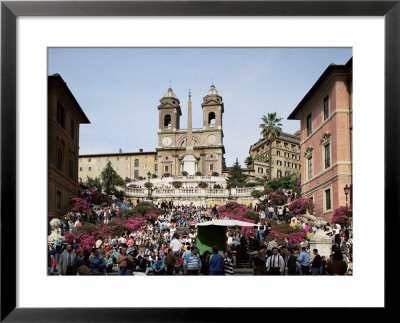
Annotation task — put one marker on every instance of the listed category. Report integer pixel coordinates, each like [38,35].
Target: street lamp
[347,191]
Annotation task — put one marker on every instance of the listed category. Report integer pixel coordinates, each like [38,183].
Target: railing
[193,192]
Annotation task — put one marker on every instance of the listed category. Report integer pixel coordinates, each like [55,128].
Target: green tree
[287,182]
[94,182]
[270,129]
[127,180]
[110,178]
[249,161]
[236,176]
[148,185]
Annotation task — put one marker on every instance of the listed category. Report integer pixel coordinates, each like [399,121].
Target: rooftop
[330,69]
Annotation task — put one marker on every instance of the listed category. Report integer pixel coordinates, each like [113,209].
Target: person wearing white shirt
[175,245]
[275,263]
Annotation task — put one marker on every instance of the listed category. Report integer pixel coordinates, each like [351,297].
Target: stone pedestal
[322,243]
[55,235]
[190,164]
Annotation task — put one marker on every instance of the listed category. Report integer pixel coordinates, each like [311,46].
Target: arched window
[211,119]
[167,121]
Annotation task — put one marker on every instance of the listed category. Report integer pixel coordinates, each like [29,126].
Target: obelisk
[189,161]
[189,143]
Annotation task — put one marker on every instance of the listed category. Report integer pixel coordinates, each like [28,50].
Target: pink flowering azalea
[278,197]
[300,206]
[341,215]
[294,237]
[79,205]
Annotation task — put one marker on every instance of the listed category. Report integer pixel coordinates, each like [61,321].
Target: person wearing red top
[53,264]
[178,267]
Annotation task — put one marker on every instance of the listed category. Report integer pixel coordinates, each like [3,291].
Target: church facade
[208,147]
[207,144]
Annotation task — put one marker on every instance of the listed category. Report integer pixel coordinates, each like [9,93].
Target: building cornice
[325,182]
[325,122]
[327,170]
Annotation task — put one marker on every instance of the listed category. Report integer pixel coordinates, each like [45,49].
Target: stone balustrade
[192,192]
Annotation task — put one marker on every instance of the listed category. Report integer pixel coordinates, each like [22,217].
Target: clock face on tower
[167,141]
[212,139]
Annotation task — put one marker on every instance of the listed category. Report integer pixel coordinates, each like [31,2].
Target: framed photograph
[39,40]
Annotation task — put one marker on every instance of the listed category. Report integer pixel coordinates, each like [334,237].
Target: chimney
[120,151]
[141,150]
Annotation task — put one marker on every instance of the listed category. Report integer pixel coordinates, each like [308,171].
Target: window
[328,205]
[71,169]
[136,174]
[126,166]
[58,200]
[166,169]
[279,174]
[278,153]
[136,162]
[309,129]
[80,169]
[126,158]
[89,168]
[211,166]
[167,122]
[211,119]
[327,155]
[326,108]
[287,173]
[72,129]
[156,167]
[309,164]
[117,158]
[293,156]
[89,160]
[260,170]
[279,162]
[61,115]
[60,157]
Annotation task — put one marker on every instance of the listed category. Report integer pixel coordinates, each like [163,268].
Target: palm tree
[271,129]
[249,161]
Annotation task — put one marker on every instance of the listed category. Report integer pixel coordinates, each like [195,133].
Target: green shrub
[166,175]
[148,185]
[184,173]
[251,215]
[215,174]
[154,176]
[256,194]
[177,184]
[203,185]
[87,228]
[251,184]
[283,227]
[198,174]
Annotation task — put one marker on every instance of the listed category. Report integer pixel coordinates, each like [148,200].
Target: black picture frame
[10,10]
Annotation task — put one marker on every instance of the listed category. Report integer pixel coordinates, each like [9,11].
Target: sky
[119,90]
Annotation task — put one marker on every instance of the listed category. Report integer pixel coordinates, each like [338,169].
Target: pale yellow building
[132,165]
[285,156]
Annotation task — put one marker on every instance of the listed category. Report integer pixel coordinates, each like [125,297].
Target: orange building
[64,117]
[325,114]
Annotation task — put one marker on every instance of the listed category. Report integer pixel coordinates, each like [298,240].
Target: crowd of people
[156,248]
